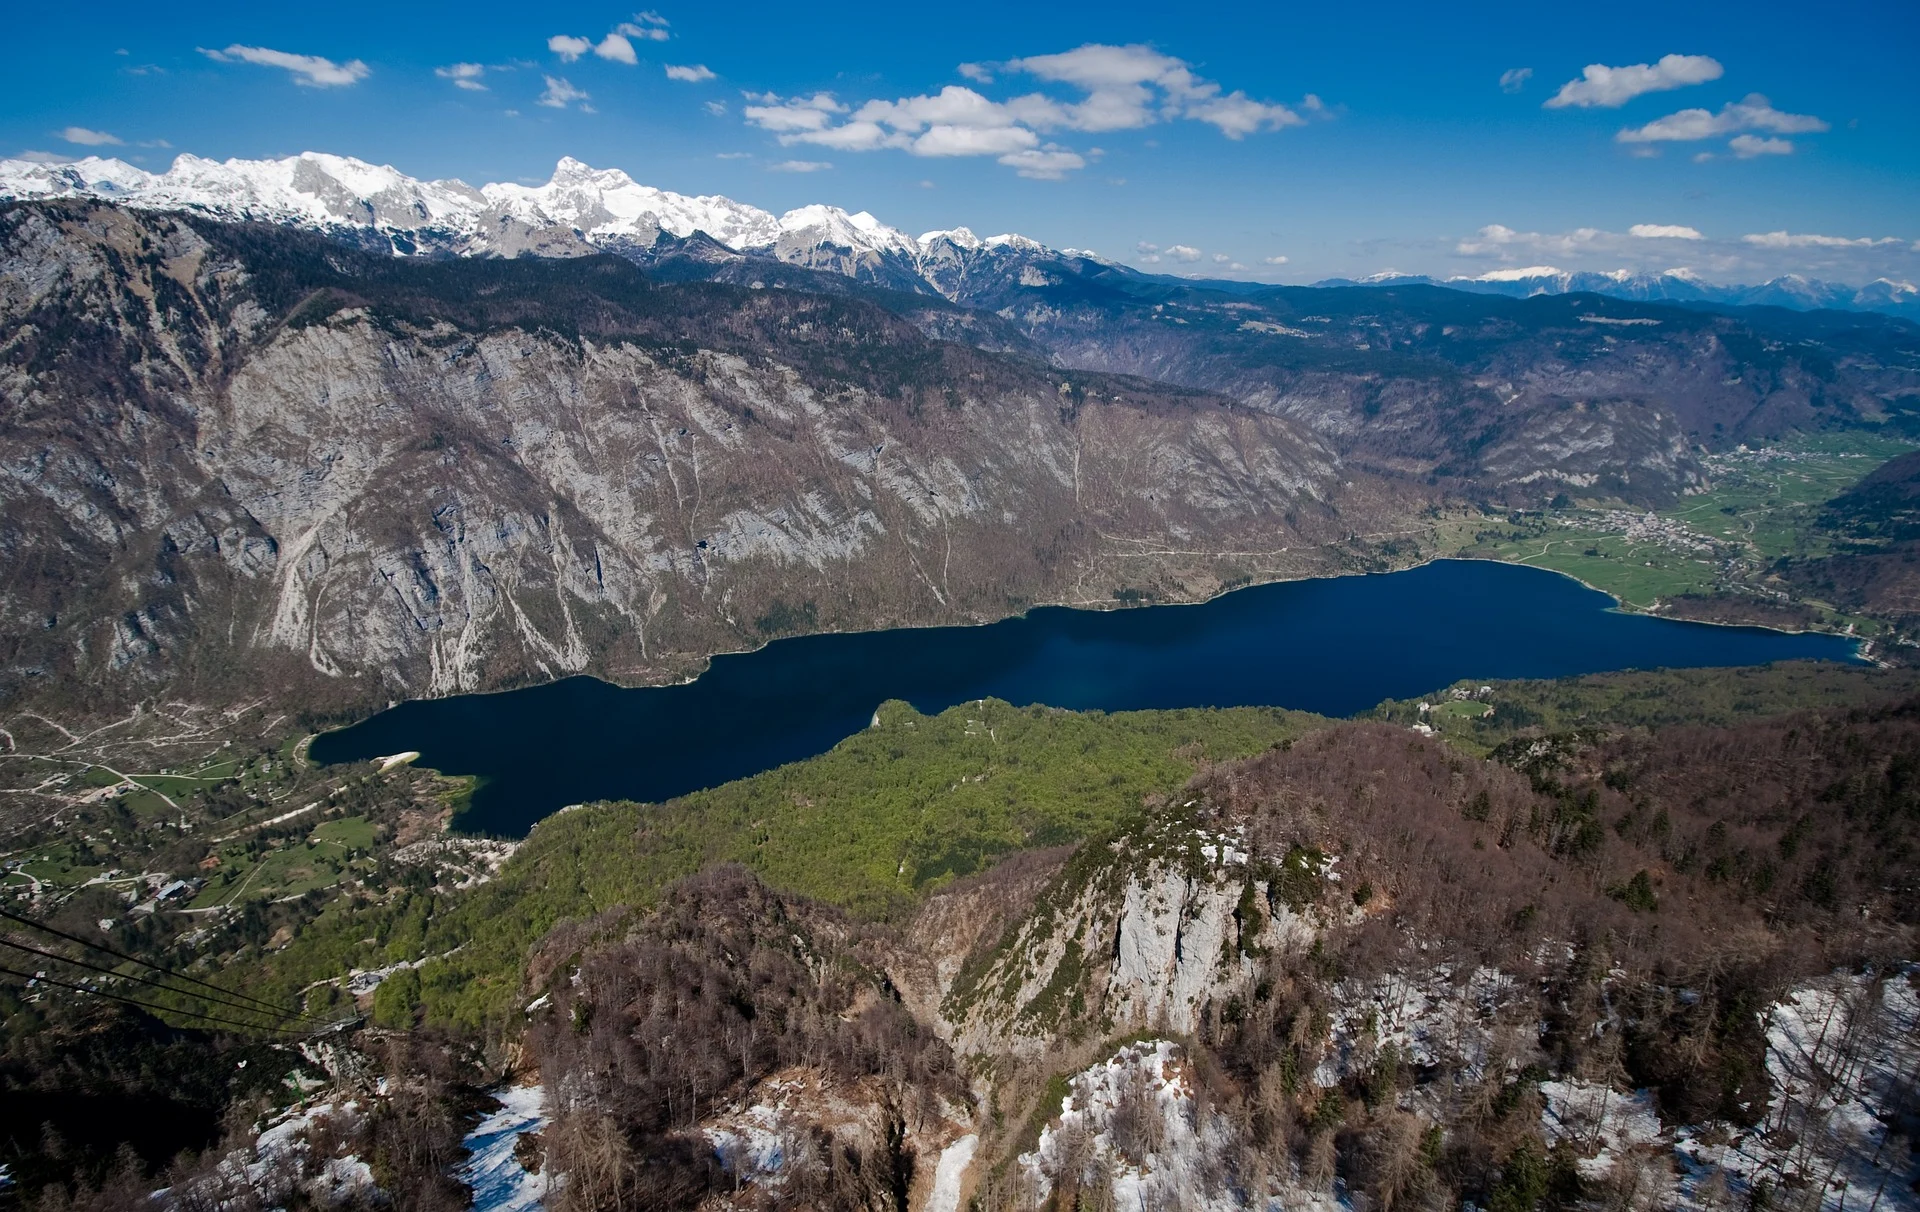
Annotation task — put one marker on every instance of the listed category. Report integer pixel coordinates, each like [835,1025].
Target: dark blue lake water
[1332,646]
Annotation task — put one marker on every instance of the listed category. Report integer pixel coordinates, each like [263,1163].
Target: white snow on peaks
[602,207]
[1520,275]
[607,202]
[833,226]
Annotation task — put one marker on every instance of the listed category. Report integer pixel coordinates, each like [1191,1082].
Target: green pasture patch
[349,833]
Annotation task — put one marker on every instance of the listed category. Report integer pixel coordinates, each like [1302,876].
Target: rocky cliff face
[231,449]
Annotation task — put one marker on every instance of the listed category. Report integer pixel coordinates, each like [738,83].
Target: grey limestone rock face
[210,474]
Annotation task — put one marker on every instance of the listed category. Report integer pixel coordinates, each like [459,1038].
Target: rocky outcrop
[1154,932]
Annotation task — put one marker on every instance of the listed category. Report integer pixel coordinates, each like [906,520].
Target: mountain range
[583,209]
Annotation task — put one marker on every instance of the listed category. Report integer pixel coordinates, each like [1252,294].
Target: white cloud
[650,26]
[1122,87]
[1147,246]
[1515,78]
[716,108]
[802,114]
[1499,240]
[1049,163]
[1755,112]
[946,139]
[1237,115]
[799,166]
[1221,258]
[45,157]
[463,75]
[1781,239]
[1612,87]
[1184,253]
[1273,260]
[616,47]
[692,73]
[568,47]
[733,156]
[90,138]
[560,93]
[1748,146]
[1664,231]
[308,71]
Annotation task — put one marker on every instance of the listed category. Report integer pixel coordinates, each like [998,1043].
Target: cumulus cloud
[799,166]
[1612,87]
[1782,239]
[463,75]
[1515,78]
[716,108]
[1186,253]
[308,71]
[44,157]
[692,73]
[1754,113]
[91,138]
[1273,260]
[561,93]
[1118,87]
[1664,231]
[616,47]
[1748,146]
[792,114]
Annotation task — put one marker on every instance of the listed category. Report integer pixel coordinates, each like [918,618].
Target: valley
[1526,913]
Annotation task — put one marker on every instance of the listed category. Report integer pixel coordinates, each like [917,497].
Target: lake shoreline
[1333,646]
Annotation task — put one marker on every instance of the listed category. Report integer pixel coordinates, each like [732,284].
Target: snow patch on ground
[1842,1055]
[947,1173]
[1430,1017]
[1598,1122]
[1129,1122]
[500,1183]
[751,1145]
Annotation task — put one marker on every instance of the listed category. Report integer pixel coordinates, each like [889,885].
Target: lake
[1334,646]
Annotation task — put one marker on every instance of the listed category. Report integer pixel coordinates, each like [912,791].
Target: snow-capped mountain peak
[582,209]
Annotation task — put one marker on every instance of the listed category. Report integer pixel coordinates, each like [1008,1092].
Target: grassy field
[250,872]
[349,833]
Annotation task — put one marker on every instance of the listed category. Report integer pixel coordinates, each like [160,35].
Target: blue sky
[1348,139]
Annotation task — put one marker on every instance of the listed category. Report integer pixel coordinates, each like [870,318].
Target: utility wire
[280,1010]
[147,980]
[158,1009]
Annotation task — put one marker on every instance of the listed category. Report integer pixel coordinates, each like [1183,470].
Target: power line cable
[281,1010]
[150,1006]
[241,1006]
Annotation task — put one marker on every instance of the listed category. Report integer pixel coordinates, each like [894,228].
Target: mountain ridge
[582,208]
